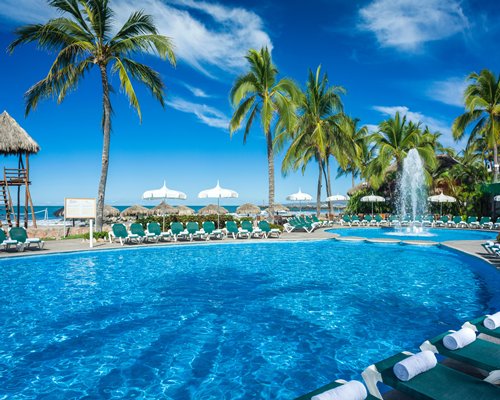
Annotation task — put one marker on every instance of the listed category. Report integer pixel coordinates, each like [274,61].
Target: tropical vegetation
[83,38]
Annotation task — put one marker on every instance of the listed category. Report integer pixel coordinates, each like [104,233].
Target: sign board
[79,208]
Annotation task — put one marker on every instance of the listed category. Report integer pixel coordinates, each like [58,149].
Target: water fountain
[412,193]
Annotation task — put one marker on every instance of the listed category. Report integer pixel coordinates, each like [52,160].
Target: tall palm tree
[393,140]
[258,93]
[316,131]
[354,164]
[82,37]
[482,104]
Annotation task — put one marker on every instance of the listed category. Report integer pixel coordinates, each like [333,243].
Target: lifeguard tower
[15,141]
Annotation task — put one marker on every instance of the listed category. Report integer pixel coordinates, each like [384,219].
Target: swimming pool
[242,321]
[429,234]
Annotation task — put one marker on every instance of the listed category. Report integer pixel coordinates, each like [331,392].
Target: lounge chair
[496,224]
[472,222]
[322,389]
[268,231]
[367,219]
[211,232]
[119,231]
[355,220]
[194,231]
[405,221]
[481,354]
[442,221]
[253,232]
[456,221]
[6,244]
[428,221]
[178,232]
[346,220]
[478,326]
[154,228]
[232,228]
[491,247]
[137,229]
[438,383]
[394,221]
[20,235]
[486,223]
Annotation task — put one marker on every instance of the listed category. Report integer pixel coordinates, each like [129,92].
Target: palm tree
[317,130]
[482,102]
[258,93]
[82,38]
[354,165]
[393,140]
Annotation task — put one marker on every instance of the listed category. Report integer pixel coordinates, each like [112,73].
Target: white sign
[79,208]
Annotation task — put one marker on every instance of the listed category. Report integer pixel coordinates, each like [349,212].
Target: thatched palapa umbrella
[276,208]
[247,209]
[212,209]
[135,211]
[184,210]
[164,209]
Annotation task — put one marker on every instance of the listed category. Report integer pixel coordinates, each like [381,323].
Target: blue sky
[389,54]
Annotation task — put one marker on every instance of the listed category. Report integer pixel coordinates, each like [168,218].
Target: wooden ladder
[6,204]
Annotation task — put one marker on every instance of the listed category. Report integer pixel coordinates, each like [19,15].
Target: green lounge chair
[442,221]
[119,231]
[178,232]
[486,223]
[394,220]
[367,219]
[439,383]
[355,220]
[405,221]
[456,221]
[232,228]
[428,221]
[20,235]
[154,228]
[268,231]
[346,220]
[6,243]
[322,389]
[137,229]
[379,221]
[478,326]
[194,232]
[472,222]
[480,354]
[253,232]
[211,232]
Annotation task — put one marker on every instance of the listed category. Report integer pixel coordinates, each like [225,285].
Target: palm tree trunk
[352,179]
[106,128]
[318,193]
[270,169]
[326,172]
[495,148]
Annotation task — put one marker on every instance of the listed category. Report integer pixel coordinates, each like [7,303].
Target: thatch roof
[211,209]
[164,209]
[135,211]
[247,209]
[184,210]
[277,208]
[13,138]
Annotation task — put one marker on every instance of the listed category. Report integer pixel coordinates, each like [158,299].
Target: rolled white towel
[459,339]
[414,365]
[492,322]
[353,390]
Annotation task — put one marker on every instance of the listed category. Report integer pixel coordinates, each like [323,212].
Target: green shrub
[276,226]
[184,219]
[96,235]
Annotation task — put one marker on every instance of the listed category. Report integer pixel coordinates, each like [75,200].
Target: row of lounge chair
[192,231]
[19,240]
[424,221]
[427,376]
[305,223]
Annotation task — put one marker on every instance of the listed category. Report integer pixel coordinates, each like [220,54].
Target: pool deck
[472,247]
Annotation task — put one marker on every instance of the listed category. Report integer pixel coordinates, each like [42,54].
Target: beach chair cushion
[478,324]
[329,386]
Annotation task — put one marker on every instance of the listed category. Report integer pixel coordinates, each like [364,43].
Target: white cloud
[206,114]
[210,37]
[197,92]
[449,91]
[407,24]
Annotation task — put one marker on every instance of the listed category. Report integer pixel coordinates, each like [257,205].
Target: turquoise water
[430,234]
[243,321]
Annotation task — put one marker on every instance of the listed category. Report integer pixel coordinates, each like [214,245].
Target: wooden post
[28,193]
[18,205]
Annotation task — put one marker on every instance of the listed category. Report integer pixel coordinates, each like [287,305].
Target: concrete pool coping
[53,247]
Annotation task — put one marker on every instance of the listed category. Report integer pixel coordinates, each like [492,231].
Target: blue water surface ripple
[245,321]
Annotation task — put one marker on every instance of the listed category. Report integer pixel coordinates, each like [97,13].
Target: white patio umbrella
[441,198]
[372,199]
[337,197]
[162,194]
[300,197]
[217,193]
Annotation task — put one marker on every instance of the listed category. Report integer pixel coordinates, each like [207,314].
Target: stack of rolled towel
[492,322]
[353,390]
[459,339]
[414,365]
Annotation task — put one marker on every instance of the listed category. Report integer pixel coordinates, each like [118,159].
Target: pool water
[242,321]
[428,234]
